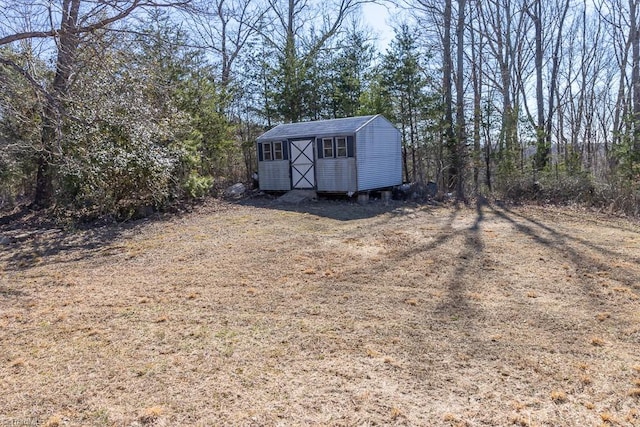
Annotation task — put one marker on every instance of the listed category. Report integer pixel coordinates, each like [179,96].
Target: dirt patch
[326,313]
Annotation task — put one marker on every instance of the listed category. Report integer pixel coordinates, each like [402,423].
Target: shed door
[302,170]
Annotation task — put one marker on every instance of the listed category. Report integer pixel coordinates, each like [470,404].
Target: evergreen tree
[349,73]
[402,76]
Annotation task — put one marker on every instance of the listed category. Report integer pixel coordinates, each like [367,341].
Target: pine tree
[402,75]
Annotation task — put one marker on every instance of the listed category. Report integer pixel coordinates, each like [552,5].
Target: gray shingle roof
[317,128]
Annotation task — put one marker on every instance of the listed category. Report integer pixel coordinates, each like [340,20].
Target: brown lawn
[327,314]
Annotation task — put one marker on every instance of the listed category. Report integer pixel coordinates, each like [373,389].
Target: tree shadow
[470,251]
[613,221]
[36,243]
[456,302]
[16,216]
[10,292]
[564,237]
[454,332]
[574,248]
[558,240]
[339,209]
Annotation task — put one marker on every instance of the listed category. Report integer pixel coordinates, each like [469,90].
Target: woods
[111,106]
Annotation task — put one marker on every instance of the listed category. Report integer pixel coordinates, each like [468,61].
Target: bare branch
[76,30]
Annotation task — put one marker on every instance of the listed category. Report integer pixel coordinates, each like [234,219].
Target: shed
[348,155]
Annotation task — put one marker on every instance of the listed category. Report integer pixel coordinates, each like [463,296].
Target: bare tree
[552,21]
[621,21]
[225,27]
[477,61]
[461,138]
[634,40]
[503,27]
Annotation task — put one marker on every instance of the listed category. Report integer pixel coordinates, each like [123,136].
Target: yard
[328,313]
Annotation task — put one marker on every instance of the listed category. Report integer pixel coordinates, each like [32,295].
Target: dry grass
[53,421]
[329,313]
[17,363]
[559,396]
[608,418]
[395,413]
[151,415]
[449,417]
[519,420]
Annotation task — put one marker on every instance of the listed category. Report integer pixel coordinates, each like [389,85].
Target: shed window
[341,147]
[277,151]
[327,147]
[267,151]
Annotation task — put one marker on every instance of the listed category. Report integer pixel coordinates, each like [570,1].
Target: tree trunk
[542,151]
[461,145]
[476,75]
[553,86]
[51,123]
[635,75]
[447,68]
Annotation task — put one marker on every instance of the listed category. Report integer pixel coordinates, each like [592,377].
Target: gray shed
[347,155]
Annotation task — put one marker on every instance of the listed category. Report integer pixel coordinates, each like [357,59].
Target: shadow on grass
[337,208]
[35,248]
[457,329]
[18,215]
[456,302]
[566,238]
[561,242]
[35,236]
[575,249]
[9,292]
[465,260]
[32,239]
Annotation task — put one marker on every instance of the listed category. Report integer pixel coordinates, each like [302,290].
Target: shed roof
[316,128]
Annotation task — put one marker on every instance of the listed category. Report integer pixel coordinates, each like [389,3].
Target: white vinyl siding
[378,154]
[336,175]
[274,175]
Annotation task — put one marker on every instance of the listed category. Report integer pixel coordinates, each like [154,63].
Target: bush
[580,188]
[198,186]
[549,188]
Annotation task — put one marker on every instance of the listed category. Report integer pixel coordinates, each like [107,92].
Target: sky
[379,19]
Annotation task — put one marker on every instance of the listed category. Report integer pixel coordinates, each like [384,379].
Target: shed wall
[274,175]
[336,175]
[379,155]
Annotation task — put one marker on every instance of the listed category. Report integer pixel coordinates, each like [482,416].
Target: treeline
[108,107]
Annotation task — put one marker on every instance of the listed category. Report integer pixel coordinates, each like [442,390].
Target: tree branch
[135,4]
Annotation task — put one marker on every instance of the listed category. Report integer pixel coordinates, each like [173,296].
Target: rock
[416,191]
[144,211]
[431,189]
[235,191]
[297,196]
